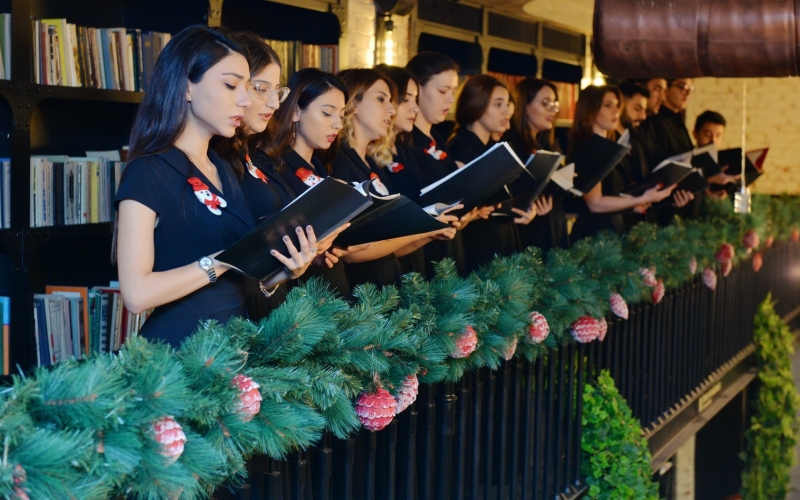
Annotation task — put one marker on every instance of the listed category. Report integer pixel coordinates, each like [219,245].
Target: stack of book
[295,55]
[5,193]
[100,58]
[5,46]
[72,322]
[67,191]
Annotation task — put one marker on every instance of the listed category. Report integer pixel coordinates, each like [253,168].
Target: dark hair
[307,85]
[708,117]
[630,89]
[524,93]
[400,77]
[589,103]
[644,81]
[670,82]
[259,55]
[473,101]
[426,65]
[161,116]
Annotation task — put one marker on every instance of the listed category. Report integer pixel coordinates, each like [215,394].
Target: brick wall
[361,33]
[772,120]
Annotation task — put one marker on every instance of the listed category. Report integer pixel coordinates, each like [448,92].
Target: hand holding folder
[594,159]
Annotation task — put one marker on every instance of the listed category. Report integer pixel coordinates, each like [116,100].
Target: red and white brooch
[253,170]
[206,197]
[308,177]
[380,188]
[395,167]
[436,153]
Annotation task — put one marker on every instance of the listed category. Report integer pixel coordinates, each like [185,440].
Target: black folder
[733,159]
[538,170]
[594,159]
[325,207]
[388,217]
[477,182]
[670,173]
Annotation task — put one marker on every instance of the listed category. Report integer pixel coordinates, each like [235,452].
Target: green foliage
[773,432]
[616,461]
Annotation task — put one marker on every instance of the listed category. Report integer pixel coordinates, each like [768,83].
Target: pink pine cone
[249,403]
[511,348]
[585,329]
[601,335]
[407,393]
[649,276]
[466,343]
[750,239]
[758,261]
[725,253]
[726,268]
[375,410]
[710,278]
[169,434]
[693,265]
[658,292]
[539,329]
[618,305]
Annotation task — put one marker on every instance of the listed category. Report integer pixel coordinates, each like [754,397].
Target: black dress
[186,230]
[413,262]
[548,231]
[589,223]
[633,169]
[299,175]
[349,167]
[483,238]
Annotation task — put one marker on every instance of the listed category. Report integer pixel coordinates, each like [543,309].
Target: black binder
[477,182]
[388,217]
[670,173]
[325,206]
[538,170]
[733,159]
[594,159]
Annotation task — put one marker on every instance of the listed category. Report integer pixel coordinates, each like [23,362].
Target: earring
[294,127]
[188,97]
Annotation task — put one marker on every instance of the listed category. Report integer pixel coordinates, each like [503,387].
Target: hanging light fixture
[388,40]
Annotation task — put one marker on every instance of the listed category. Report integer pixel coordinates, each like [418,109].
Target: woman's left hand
[525,217]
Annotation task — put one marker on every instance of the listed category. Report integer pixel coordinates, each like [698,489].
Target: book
[478,181]
[83,293]
[732,158]
[665,174]
[539,169]
[388,217]
[324,206]
[565,177]
[594,159]
[758,157]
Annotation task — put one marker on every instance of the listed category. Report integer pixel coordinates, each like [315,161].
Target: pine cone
[511,348]
[710,278]
[658,292]
[249,403]
[466,343]
[693,265]
[539,329]
[770,241]
[726,268]
[725,253]
[649,276]
[618,305]
[750,239]
[375,410]
[585,329]
[758,261]
[407,393]
[169,434]
[601,335]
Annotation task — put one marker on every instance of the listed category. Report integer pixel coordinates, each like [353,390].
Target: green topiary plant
[616,461]
[772,436]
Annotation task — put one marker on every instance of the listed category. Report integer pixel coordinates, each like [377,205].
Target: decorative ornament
[253,170]
[19,476]
[539,329]
[249,403]
[585,329]
[169,434]
[436,153]
[466,343]
[649,276]
[658,292]
[725,253]
[407,393]
[795,235]
[380,188]
[19,494]
[693,265]
[751,240]
[308,177]
[758,261]
[375,410]
[395,167]
[618,305]
[206,197]
[601,334]
[710,278]
[511,348]
[726,268]
[770,241]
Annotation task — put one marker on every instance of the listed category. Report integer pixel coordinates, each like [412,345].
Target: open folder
[733,159]
[665,174]
[390,217]
[478,181]
[594,159]
[539,169]
[325,207]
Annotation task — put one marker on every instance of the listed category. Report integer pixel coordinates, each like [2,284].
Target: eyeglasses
[265,91]
[684,87]
[552,106]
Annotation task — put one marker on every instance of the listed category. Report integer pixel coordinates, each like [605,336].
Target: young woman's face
[407,109]
[542,110]
[257,116]
[608,116]
[219,99]
[437,96]
[318,124]
[374,112]
[496,117]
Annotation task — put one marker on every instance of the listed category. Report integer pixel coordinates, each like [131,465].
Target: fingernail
[286,239]
[299,230]
[308,228]
[273,252]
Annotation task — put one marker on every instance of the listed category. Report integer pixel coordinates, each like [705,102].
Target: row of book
[5,193]
[295,55]
[73,322]
[101,58]
[5,46]
[66,191]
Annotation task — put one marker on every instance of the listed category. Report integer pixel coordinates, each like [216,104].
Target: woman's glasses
[265,91]
[550,105]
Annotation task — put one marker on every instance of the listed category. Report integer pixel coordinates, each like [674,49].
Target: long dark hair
[307,85]
[589,103]
[259,55]
[161,116]
[426,65]
[524,93]
[474,99]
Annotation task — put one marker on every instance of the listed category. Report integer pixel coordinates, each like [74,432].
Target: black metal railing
[515,433]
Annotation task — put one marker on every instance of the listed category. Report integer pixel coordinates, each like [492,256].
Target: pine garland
[86,429]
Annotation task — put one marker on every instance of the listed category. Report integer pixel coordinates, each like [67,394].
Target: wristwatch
[208,266]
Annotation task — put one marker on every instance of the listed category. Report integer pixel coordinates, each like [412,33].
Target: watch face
[206,263]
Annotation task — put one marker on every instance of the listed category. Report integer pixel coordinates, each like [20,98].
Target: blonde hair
[358,81]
